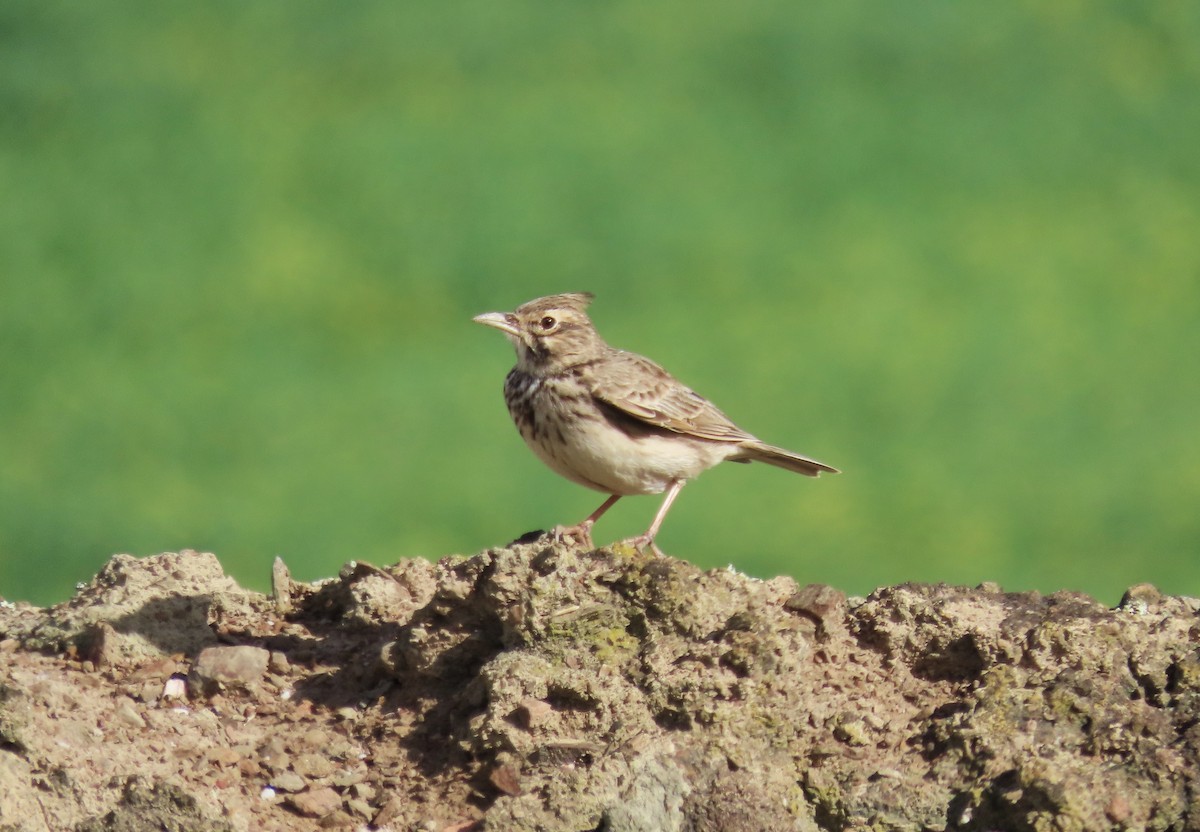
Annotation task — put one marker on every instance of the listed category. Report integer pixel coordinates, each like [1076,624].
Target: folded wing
[640,388]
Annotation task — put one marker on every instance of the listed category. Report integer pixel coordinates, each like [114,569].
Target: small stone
[1140,597]
[316,738]
[337,819]
[229,666]
[273,755]
[347,777]
[819,601]
[100,645]
[1117,810]
[532,712]
[851,731]
[312,766]
[506,778]
[127,713]
[281,586]
[363,791]
[388,812]
[359,807]
[288,781]
[222,756]
[279,663]
[317,803]
[461,826]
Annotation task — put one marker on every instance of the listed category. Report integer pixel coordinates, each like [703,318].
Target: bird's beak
[503,321]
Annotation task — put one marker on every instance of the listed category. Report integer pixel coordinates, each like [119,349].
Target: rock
[278,663]
[390,811]
[1140,598]
[506,778]
[532,712]
[126,712]
[281,586]
[819,601]
[317,803]
[237,667]
[339,819]
[288,781]
[312,766]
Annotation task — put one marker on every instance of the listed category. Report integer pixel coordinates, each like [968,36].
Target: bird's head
[550,333]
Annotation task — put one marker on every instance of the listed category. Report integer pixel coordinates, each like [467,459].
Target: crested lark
[612,420]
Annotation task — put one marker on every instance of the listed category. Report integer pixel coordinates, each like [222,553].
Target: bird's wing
[638,387]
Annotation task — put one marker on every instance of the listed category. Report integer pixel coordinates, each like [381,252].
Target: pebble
[317,803]
[532,712]
[818,600]
[273,755]
[288,781]
[281,586]
[230,666]
[127,712]
[316,738]
[851,732]
[389,812]
[102,646]
[222,756]
[359,807]
[337,820]
[347,777]
[507,779]
[363,791]
[313,766]
[1117,810]
[279,662]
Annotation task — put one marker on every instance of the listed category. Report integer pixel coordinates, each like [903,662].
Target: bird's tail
[756,451]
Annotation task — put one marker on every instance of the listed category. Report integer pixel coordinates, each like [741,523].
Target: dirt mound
[544,687]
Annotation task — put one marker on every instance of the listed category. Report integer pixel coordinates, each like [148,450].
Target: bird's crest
[577,301]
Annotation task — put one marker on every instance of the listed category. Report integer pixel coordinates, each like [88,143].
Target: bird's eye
[548,323]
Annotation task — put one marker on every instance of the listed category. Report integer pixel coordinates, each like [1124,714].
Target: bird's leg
[583,531]
[647,539]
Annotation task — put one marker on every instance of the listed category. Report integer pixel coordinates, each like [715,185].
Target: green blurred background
[953,249]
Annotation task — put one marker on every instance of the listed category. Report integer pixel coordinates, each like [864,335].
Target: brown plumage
[612,420]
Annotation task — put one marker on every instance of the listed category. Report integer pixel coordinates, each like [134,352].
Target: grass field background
[951,249]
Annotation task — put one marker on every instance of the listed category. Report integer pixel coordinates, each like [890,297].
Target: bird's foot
[645,540]
[580,535]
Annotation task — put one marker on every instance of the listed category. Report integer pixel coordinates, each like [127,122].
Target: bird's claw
[580,535]
[642,541]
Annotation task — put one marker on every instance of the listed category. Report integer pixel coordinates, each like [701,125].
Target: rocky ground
[544,687]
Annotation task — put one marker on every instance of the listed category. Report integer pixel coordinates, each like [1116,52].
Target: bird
[612,420]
